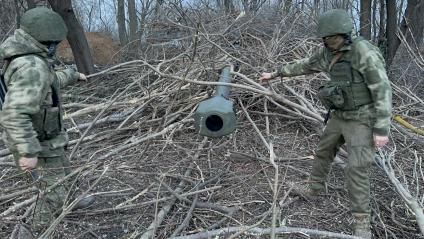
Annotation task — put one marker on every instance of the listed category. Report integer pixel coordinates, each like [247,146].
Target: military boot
[311,194]
[84,202]
[307,191]
[362,226]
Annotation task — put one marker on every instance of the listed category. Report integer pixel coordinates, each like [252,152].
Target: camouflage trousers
[359,141]
[49,171]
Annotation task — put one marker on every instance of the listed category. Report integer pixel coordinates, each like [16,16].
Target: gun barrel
[225,77]
[215,117]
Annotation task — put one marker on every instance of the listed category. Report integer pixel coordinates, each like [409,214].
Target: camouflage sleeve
[27,79]
[67,76]
[316,63]
[372,66]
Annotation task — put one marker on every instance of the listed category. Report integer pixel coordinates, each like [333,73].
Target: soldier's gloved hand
[27,163]
[82,77]
[266,76]
[380,141]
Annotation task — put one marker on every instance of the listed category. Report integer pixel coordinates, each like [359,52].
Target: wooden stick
[257,231]
[149,233]
[385,161]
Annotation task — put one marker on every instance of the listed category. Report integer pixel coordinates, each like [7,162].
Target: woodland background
[133,143]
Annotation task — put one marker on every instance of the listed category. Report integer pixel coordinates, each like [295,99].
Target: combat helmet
[44,25]
[334,22]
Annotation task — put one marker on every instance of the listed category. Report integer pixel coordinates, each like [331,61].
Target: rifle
[3,91]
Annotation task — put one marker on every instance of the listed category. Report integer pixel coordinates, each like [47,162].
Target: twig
[256,231]
[274,189]
[66,209]
[33,199]
[187,218]
[385,162]
[254,125]
[164,211]
[75,148]
[138,205]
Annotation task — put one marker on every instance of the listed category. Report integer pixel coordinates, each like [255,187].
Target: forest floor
[134,147]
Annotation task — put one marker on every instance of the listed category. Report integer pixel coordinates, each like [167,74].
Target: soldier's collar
[31,39]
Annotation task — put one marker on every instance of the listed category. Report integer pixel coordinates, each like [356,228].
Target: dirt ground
[135,148]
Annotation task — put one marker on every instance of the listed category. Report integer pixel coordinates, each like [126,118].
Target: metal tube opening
[214,123]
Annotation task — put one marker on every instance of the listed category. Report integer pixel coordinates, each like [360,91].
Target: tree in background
[120,19]
[411,26]
[151,10]
[76,37]
[379,20]
[133,20]
[391,28]
[365,19]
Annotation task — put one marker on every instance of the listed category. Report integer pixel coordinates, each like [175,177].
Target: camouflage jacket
[32,124]
[367,63]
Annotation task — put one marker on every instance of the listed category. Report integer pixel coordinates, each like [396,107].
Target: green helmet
[44,25]
[334,22]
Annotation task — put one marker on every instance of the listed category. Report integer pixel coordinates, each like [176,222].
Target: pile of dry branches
[135,148]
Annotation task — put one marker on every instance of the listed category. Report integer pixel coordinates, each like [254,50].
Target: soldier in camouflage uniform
[32,114]
[359,96]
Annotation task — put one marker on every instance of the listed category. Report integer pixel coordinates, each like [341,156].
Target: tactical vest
[48,121]
[347,89]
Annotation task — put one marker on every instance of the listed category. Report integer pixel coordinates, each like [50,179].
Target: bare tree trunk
[391,28]
[132,15]
[146,5]
[406,20]
[374,21]
[365,19]
[411,26]
[120,19]
[382,41]
[416,24]
[76,37]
